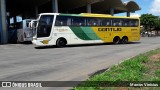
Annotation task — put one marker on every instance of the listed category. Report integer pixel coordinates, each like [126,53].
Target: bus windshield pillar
[112,11]
[55,6]
[89,8]
[3,23]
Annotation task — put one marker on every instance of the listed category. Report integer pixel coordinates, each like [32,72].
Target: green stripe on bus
[90,33]
[80,33]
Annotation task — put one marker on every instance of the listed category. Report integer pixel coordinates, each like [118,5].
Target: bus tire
[125,40]
[61,42]
[116,40]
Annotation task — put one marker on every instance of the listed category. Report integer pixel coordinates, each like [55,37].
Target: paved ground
[22,62]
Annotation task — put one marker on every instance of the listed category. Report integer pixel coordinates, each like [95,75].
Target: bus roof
[89,15]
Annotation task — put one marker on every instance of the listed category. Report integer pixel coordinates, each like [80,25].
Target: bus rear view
[24,33]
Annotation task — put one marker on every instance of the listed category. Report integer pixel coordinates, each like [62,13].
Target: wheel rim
[61,43]
[124,40]
[116,40]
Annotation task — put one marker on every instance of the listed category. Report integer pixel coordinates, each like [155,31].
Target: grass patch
[144,67]
[157,73]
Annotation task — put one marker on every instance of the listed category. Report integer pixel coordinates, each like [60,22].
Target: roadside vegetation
[150,23]
[144,67]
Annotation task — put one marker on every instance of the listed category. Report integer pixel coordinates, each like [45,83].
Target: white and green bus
[70,29]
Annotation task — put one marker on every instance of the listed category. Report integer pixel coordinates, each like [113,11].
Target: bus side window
[120,23]
[117,22]
[125,22]
[130,23]
[114,22]
[69,21]
[61,21]
[78,21]
[106,22]
[93,22]
[134,22]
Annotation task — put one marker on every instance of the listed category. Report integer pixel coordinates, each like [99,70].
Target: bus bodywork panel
[86,35]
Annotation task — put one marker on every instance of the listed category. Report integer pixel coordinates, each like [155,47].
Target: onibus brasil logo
[20,84]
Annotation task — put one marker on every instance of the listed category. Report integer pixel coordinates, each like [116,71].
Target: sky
[147,6]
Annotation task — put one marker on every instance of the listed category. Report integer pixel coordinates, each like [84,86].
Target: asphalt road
[22,62]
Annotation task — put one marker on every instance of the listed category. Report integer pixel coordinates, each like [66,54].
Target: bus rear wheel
[116,40]
[124,40]
[61,42]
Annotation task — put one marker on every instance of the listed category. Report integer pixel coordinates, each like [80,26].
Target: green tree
[148,21]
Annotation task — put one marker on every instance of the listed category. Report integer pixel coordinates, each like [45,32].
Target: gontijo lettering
[109,29]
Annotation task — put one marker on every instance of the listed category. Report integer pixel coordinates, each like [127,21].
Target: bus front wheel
[61,42]
[116,40]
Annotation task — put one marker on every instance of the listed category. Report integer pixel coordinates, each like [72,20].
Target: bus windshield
[44,26]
